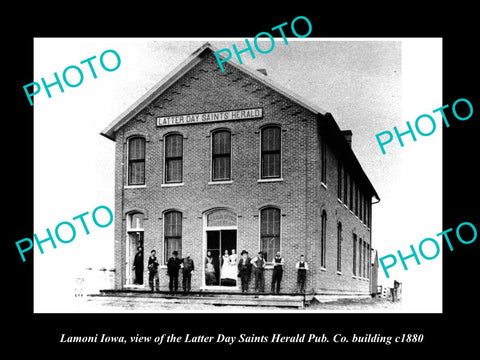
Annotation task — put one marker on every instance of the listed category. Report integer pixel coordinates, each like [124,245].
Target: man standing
[187,270]
[153,271]
[302,268]
[277,272]
[173,267]
[258,263]
[138,266]
[244,270]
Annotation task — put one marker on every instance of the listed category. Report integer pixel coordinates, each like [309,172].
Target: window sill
[134,186]
[172,184]
[339,272]
[222,182]
[323,269]
[324,185]
[270,180]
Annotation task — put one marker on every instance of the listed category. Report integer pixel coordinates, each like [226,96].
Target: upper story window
[221,155]
[174,158]
[345,187]
[324,161]
[271,152]
[340,181]
[136,161]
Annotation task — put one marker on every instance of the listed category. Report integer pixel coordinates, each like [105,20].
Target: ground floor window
[269,232]
[172,234]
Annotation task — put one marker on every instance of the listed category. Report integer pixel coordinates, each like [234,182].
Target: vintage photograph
[254,189]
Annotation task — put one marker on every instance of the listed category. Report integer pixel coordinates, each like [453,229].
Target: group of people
[231,269]
[228,271]
[246,265]
[174,265]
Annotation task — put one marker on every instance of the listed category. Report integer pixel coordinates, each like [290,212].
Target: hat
[175,252]
[244,252]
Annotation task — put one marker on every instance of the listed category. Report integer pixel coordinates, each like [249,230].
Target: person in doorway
[302,268]
[153,271]
[258,263]
[138,266]
[210,277]
[187,270]
[277,273]
[173,267]
[224,270]
[244,268]
[233,258]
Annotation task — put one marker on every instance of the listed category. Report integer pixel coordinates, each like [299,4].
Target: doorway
[134,276]
[222,244]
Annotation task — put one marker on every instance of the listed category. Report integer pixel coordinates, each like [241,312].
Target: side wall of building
[335,277]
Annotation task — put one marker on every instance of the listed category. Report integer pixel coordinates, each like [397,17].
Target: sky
[368,85]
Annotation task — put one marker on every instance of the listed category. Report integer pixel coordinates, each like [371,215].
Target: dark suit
[244,268]
[173,267]
[138,265]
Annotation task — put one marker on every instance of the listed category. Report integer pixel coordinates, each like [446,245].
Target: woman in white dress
[229,268]
[224,272]
[210,277]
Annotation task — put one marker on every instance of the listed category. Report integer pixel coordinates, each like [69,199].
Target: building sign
[221,217]
[210,117]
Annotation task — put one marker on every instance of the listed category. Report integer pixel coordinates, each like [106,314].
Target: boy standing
[302,268]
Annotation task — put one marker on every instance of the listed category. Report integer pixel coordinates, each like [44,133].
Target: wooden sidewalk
[288,300]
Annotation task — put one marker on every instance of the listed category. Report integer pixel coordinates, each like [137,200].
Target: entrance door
[135,239]
[222,245]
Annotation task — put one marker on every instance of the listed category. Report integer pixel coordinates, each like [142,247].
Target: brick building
[212,161]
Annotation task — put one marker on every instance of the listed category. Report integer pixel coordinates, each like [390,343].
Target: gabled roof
[194,59]
[181,70]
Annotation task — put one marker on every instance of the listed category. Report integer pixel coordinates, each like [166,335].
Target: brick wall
[300,196]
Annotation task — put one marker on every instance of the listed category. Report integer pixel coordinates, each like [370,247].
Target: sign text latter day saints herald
[210,117]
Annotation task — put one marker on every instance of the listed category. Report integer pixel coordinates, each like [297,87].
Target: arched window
[172,229]
[173,158]
[369,261]
[221,155]
[360,256]
[364,258]
[269,232]
[271,152]
[324,161]
[323,241]
[136,161]
[339,247]
[354,262]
